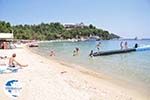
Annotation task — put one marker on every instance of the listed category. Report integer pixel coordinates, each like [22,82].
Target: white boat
[33,44]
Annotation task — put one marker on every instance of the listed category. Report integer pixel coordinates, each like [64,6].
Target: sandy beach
[46,79]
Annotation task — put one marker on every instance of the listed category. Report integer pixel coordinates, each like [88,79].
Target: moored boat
[33,45]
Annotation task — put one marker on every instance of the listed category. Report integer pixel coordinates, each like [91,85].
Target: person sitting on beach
[52,53]
[126,45]
[13,62]
[121,45]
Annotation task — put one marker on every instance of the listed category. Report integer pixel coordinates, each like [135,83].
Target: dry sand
[45,79]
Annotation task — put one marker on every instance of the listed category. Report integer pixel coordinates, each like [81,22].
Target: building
[71,26]
[6,36]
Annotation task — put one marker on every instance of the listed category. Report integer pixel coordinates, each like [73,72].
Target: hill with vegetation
[54,30]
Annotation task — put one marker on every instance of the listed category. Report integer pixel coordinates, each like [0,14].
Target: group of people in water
[125,45]
[76,50]
[14,63]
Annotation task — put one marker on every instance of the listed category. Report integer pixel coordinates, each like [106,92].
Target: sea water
[133,67]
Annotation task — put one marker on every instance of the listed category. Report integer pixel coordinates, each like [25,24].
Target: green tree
[54,30]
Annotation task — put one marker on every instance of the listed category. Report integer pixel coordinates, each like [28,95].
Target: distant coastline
[134,39]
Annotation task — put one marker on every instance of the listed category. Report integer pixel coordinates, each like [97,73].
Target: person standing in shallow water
[91,54]
[136,45]
[98,46]
[76,51]
[121,45]
[126,45]
[52,53]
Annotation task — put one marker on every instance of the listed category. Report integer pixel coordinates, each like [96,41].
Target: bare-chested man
[13,62]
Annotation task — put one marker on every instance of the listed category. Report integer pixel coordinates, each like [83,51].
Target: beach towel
[6,69]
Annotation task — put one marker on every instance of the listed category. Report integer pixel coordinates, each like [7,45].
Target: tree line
[53,30]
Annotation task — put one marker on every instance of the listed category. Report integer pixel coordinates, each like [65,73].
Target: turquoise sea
[131,67]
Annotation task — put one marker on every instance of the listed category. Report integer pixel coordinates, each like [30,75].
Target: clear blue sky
[127,18]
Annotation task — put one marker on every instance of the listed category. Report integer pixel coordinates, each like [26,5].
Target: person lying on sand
[13,62]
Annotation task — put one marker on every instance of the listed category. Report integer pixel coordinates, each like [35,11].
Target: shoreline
[50,74]
[133,87]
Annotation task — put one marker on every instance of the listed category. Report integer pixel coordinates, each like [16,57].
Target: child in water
[52,53]
[98,46]
[76,51]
